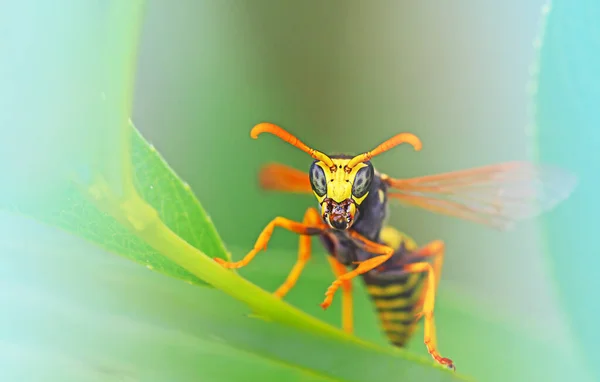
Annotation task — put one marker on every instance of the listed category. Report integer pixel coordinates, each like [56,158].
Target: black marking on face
[318,181]
[362,181]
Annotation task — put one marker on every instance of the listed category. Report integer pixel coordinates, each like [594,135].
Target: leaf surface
[115,319]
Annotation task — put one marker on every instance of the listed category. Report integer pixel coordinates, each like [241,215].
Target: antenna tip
[258,129]
[411,139]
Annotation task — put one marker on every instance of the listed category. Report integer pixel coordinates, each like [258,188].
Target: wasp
[401,277]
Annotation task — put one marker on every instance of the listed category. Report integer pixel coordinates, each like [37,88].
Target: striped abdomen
[397,302]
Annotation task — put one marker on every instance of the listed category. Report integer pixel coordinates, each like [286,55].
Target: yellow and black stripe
[396,299]
[396,302]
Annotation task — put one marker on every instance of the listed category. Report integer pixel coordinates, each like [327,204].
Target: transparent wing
[497,195]
[279,177]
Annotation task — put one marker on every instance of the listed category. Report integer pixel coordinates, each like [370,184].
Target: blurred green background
[342,76]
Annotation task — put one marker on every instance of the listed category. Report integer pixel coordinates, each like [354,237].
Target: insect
[401,277]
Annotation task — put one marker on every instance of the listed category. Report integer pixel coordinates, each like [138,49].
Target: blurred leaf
[54,73]
[112,320]
[80,129]
[568,119]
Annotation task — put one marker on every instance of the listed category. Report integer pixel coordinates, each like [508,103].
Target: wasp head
[340,183]
[340,189]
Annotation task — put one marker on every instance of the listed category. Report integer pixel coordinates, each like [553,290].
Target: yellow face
[340,190]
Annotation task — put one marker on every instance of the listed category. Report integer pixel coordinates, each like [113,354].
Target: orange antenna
[385,146]
[292,140]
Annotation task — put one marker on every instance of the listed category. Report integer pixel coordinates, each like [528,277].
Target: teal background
[568,117]
[342,76]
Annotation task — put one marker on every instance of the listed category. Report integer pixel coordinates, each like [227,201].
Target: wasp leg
[347,307]
[265,236]
[384,253]
[434,249]
[311,217]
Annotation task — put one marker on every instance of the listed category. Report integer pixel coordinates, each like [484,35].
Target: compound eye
[318,181]
[362,181]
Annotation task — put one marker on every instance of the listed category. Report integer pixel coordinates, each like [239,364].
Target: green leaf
[113,320]
[72,210]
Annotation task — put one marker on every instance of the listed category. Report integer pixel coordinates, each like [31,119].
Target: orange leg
[312,218]
[428,304]
[265,236]
[434,250]
[384,253]
[347,311]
